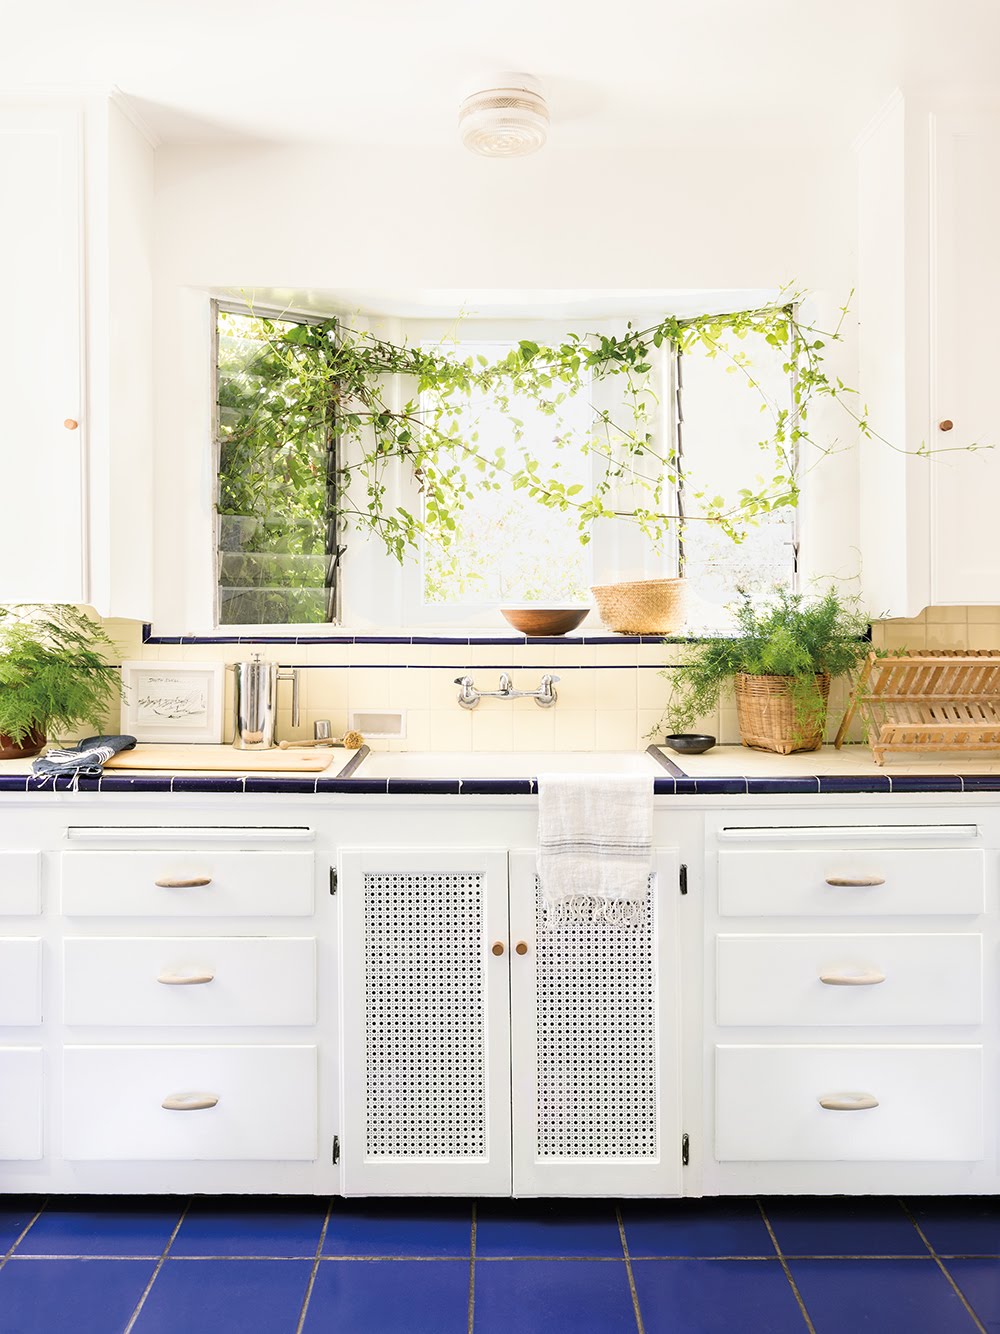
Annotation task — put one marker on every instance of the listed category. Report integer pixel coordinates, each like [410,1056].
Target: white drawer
[767,1099]
[20,983]
[265,1104]
[207,884]
[20,1103]
[190,980]
[926,979]
[20,884]
[797,882]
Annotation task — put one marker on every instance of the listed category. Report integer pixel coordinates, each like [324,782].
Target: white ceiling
[637,72]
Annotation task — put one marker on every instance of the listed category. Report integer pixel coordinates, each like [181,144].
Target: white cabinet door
[965,278]
[20,982]
[21,1103]
[594,1038]
[41,460]
[425,1022]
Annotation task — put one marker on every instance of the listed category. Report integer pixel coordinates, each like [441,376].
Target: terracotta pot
[21,750]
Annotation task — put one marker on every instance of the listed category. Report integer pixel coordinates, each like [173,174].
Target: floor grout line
[315,1269]
[628,1270]
[941,1265]
[24,1232]
[159,1265]
[472,1267]
[788,1273]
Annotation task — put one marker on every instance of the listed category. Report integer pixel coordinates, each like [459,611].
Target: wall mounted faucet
[545,696]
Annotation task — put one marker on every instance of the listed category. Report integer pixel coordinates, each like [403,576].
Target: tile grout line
[18,1239]
[472,1267]
[941,1265]
[315,1268]
[159,1265]
[788,1273]
[628,1270]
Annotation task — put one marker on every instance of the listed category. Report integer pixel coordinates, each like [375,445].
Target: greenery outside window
[278,548]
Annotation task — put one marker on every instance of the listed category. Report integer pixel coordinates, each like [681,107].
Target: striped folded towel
[595,846]
[85,760]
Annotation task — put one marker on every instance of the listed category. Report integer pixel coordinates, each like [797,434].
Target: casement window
[284,559]
[277,543]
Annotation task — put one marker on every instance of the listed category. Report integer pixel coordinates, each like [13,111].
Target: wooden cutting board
[175,759]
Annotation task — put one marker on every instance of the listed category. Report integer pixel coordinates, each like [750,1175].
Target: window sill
[338,635]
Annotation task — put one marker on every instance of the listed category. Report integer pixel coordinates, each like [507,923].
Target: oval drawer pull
[173,882]
[847,1102]
[855,881]
[185,979]
[189,1102]
[871,978]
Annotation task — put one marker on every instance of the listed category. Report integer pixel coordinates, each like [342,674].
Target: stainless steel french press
[255,701]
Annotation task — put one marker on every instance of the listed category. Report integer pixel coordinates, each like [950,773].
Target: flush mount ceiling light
[505,115]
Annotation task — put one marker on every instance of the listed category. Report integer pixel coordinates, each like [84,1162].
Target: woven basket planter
[766,713]
[645,607]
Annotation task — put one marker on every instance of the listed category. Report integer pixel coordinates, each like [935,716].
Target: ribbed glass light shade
[506,120]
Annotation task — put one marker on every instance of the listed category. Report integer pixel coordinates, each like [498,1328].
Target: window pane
[722,429]
[275,562]
[507,547]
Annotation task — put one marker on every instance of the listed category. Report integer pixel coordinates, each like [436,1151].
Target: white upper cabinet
[76,356]
[929,279]
[41,537]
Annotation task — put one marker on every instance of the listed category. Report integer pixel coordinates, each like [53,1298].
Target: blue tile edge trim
[518,641]
[681,785]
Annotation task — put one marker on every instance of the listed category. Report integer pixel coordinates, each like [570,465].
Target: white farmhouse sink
[504,764]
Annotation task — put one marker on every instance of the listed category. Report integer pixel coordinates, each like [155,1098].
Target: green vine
[390,404]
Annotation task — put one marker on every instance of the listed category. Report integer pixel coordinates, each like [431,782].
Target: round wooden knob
[498,948]
[70,424]
[521,947]
[945,425]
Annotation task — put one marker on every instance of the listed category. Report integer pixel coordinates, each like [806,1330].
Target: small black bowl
[689,743]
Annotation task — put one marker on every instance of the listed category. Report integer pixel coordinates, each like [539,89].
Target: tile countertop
[723,771]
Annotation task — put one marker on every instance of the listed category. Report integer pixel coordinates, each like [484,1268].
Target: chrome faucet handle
[546,695]
[468,695]
[506,684]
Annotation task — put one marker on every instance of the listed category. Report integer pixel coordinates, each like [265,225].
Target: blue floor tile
[879,1295]
[389,1297]
[980,1283]
[59,1296]
[225,1297]
[103,1227]
[16,1212]
[547,1228]
[251,1226]
[553,1297]
[707,1228]
[717,1297]
[843,1227]
[418,1228]
[969,1226]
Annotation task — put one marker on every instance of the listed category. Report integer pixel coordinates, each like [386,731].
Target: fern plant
[789,636]
[53,671]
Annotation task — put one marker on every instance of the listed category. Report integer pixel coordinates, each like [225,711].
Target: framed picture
[172,701]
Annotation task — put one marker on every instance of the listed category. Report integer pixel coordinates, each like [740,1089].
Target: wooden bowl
[544,620]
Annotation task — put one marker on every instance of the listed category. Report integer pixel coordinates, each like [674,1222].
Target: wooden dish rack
[928,700]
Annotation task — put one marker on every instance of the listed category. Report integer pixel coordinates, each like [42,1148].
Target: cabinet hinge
[333,880]
[685,1149]
[336,1149]
[684,878]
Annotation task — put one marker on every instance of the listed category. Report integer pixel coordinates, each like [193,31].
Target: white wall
[349,218]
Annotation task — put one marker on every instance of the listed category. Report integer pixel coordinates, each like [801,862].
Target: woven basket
[766,713]
[645,607]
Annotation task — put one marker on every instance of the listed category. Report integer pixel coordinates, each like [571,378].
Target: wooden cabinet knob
[71,424]
[521,947]
[945,425]
[498,948]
